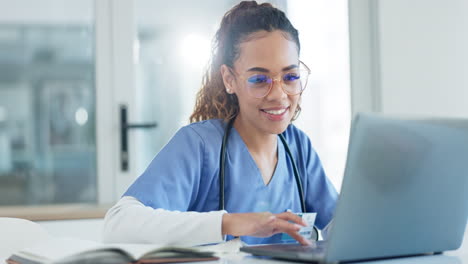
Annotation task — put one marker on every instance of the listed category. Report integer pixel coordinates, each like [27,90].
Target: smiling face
[265,53]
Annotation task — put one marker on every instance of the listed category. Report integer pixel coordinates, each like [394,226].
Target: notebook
[404,193]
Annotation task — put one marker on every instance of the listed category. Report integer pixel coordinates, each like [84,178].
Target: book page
[17,234]
[136,251]
[145,251]
[54,248]
[73,250]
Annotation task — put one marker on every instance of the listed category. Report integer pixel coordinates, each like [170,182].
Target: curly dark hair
[237,24]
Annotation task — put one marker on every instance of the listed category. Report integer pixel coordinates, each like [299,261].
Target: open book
[70,251]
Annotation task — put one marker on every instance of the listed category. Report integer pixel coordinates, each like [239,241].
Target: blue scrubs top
[184,176]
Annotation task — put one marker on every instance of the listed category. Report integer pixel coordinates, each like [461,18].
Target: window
[47,103]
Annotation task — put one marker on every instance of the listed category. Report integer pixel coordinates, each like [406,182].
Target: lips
[275,110]
[276,113]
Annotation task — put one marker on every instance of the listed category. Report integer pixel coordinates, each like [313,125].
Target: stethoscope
[222,168]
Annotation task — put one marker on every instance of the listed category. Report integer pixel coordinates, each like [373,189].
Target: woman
[254,84]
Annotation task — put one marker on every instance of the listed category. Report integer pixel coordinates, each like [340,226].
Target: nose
[276,91]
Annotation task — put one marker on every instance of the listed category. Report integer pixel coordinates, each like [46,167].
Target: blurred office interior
[69,67]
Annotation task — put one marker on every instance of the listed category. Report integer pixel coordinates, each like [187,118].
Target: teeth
[275,112]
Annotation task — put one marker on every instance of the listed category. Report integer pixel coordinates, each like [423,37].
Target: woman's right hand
[263,225]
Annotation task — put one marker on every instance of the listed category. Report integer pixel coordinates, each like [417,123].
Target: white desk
[459,256]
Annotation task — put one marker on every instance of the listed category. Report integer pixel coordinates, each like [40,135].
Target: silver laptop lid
[405,189]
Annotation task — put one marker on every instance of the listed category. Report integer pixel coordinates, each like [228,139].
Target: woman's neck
[258,142]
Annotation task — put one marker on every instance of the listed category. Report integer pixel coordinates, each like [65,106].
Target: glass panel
[47,102]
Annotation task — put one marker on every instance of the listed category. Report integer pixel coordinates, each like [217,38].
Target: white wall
[424,57]
[417,60]
[325,116]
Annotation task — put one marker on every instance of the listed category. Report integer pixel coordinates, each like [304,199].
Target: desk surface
[459,256]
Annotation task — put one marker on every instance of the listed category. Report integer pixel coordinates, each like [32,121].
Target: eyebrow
[260,69]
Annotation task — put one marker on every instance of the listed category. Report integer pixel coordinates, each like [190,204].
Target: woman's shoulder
[295,134]
[298,140]
[207,130]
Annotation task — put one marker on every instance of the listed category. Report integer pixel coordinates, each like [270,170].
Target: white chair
[16,233]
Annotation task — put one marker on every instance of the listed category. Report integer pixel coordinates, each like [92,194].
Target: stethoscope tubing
[222,167]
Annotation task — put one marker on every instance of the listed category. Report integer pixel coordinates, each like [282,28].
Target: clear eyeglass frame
[291,87]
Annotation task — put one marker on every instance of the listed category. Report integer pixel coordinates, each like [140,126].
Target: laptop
[404,193]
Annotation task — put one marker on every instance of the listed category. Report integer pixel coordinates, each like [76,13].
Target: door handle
[124,127]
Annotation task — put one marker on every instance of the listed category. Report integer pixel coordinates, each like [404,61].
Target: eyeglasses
[293,82]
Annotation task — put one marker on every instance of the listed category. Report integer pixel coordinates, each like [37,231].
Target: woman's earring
[228,91]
